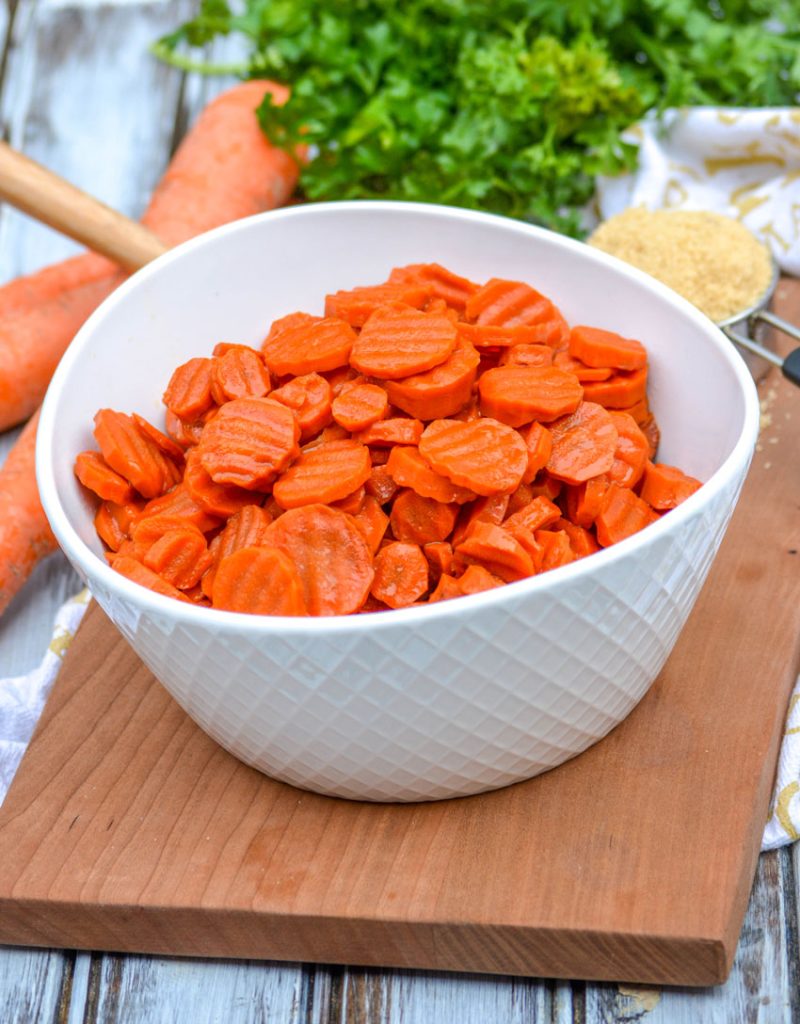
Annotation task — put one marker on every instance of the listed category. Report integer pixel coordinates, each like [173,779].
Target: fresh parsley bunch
[511,106]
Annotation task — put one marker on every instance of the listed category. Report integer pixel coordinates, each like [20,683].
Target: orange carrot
[556,549]
[584,444]
[380,484]
[180,557]
[147,530]
[439,554]
[323,475]
[95,473]
[249,442]
[650,430]
[188,393]
[161,441]
[311,346]
[133,455]
[259,581]
[372,521]
[623,514]
[516,395]
[439,282]
[214,498]
[484,456]
[398,341]
[665,487]
[247,528]
[483,336]
[631,453]
[238,372]
[540,444]
[410,469]
[539,513]
[358,305]
[357,408]
[527,355]
[497,550]
[501,303]
[580,370]
[178,502]
[309,397]
[596,347]
[585,501]
[419,520]
[619,391]
[401,574]
[113,522]
[447,588]
[581,541]
[396,430]
[133,570]
[440,392]
[491,509]
[476,578]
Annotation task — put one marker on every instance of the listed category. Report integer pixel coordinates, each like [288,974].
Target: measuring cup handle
[778,323]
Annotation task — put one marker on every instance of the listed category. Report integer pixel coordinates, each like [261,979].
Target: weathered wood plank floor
[79,92]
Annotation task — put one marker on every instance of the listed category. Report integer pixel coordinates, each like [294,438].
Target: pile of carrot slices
[426,438]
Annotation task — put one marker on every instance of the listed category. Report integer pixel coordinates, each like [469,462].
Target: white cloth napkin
[22,699]
[744,163]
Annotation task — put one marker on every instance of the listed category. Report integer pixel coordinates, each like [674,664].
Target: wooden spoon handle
[47,197]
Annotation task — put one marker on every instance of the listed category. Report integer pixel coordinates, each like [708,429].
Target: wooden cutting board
[128,829]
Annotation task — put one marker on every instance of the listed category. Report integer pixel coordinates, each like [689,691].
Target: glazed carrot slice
[180,557]
[178,502]
[159,439]
[322,475]
[640,411]
[396,430]
[113,522]
[584,444]
[381,485]
[583,372]
[372,521]
[501,303]
[649,428]
[556,549]
[527,355]
[439,554]
[239,372]
[309,397]
[398,341]
[476,578]
[138,573]
[540,443]
[358,407]
[665,487]
[95,473]
[410,469]
[217,499]
[182,432]
[401,574]
[585,501]
[497,549]
[619,391]
[623,514]
[358,305]
[516,395]
[332,557]
[307,347]
[483,455]
[440,392]
[581,541]
[351,503]
[147,530]
[188,393]
[419,520]
[133,454]
[247,528]
[483,336]
[596,347]
[491,509]
[539,513]
[446,589]
[631,453]
[259,581]
[440,283]
[249,442]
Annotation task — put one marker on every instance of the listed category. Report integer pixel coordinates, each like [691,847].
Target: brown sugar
[712,260]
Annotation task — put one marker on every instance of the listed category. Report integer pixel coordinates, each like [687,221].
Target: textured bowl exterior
[426,703]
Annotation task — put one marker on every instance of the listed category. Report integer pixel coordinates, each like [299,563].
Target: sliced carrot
[133,454]
[184,433]
[165,444]
[440,392]
[419,520]
[596,347]
[665,487]
[218,499]
[401,574]
[583,372]
[179,502]
[584,502]
[556,549]
[358,305]
[439,554]
[147,530]
[446,589]
[527,355]
[239,372]
[440,307]
[623,514]
[516,395]
[113,522]
[398,341]
[247,528]
[491,509]
[501,303]
[249,442]
[581,541]
[358,407]
[470,412]
[351,503]
[631,453]
[332,557]
[584,444]
[408,468]
[309,397]
[540,443]
[372,521]
[440,283]
[650,430]
[475,579]
[138,573]
[322,475]
[259,581]
[619,391]
[313,346]
[188,393]
[540,512]
[545,484]
[381,485]
[484,456]
[497,549]
[95,473]
[395,430]
[487,336]
[640,411]
[180,557]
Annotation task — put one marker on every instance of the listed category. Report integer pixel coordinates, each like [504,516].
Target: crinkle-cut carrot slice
[350,503]
[178,502]
[184,433]
[538,513]
[165,444]
[580,370]
[398,341]
[501,303]
[539,443]
[358,305]
[556,549]
[327,435]
[623,514]
[410,469]
[147,530]
[649,428]
[581,541]
[308,347]
[596,347]
[180,557]
[483,455]
[439,554]
[620,391]
[476,578]
[217,499]
[331,554]
[95,473]
[640,412]
[483,336]
[631,453]
[381,485]
[527,355]
[322,475]
[491,509]
[138,573]
[446,589]
[497,549]
[401,574]
[395,430]
[249,442]
[441,283]
[526,539]
[517,395]
[258,580]
[247,528]
[547,485]
[419,520]
[372,521]
[342,378]
[584,444]
[133,454]
[113,522]
[239,373]
[665,487]
[309,397]
[440,392]
[584,502]
[358,407]
[440,307]
[188,393]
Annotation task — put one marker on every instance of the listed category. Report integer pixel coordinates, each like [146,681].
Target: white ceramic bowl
[430,702]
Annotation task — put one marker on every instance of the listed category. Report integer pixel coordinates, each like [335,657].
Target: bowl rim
[148,601]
